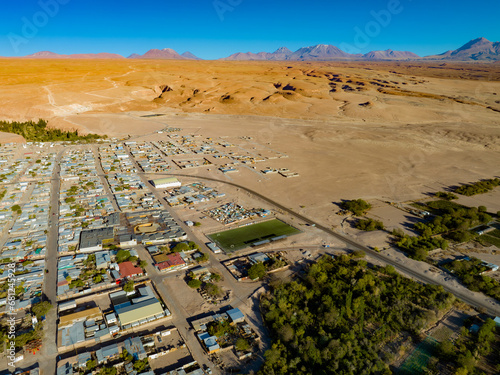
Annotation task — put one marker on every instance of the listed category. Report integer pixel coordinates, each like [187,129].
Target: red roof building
[127,269]
[173,261]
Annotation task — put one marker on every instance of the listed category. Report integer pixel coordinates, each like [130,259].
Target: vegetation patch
[479,187]
[341,315]
[38,132]
[358,206]
[470,273]
[240,238]
[369,225]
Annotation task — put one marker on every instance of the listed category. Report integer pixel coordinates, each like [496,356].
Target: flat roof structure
[140,311]
[164,183]
[86,314]
[94,238]
[235,315]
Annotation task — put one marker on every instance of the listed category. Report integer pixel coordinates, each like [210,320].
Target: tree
[91,364]
[122,256]
[129,286]
[141,365]
[108,371]
[212,290]
[194,283]
[41,308]
[16,208]
[202,258]
[97,279]
[358,206]
[241,344]
[369,225]
[193,245]
[215,277]
[181,246]
[143,264]
[257,271]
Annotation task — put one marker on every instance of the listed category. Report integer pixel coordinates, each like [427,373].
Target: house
[127,269]
[106,353]
[210,342]
[236,316]
[134,346]
[173,261]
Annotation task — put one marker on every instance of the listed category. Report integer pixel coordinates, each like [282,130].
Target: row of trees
[38,132]
[340,316]
[479,187]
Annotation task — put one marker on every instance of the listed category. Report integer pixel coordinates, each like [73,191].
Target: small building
[67,305]
[200,270]
[134,347]
[212,246]
[111,318]
[210,342]
[173,261]
[94,239]
[127,269]
[127,240]
[258,257]
[166,183]
[497,321]
[106,353]
[235,315]
[132,315]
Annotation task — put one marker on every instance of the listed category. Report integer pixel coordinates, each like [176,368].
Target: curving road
[467,296]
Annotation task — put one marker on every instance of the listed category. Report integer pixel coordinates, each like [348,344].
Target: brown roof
[172,260]
[127,269]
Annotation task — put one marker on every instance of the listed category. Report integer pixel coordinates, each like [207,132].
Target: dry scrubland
[352,129]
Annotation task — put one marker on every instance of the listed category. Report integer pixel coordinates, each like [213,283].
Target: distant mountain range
[479,49]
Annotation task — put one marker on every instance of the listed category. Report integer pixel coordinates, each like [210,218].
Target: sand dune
[395,92]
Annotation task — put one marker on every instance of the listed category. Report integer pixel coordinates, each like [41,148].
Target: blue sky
[218,28]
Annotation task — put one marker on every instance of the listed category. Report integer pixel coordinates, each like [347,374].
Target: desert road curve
[493,310]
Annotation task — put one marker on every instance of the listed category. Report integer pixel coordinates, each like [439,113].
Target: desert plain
[389,131]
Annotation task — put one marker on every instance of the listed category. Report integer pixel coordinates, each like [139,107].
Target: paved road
[49,347]
[474,299]
[104,181]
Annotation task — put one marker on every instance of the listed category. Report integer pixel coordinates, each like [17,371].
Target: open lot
[240,238]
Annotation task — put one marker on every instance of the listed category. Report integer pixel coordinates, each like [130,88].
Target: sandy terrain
[388,131]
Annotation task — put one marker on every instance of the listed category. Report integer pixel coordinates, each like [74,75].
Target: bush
[242,344]
[369,225]
[181,246]
[257,271]
[122,256]
[358,206]
[479,187]
[447,196]
[129,286]
[194,283]
[41,308]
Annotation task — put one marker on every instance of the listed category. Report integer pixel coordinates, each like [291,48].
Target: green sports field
[239,238]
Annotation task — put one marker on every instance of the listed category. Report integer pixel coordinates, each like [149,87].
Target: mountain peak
[190,56]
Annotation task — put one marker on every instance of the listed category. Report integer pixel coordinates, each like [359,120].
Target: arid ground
[389,131]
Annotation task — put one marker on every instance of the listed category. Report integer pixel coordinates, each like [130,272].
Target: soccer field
[239,238]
